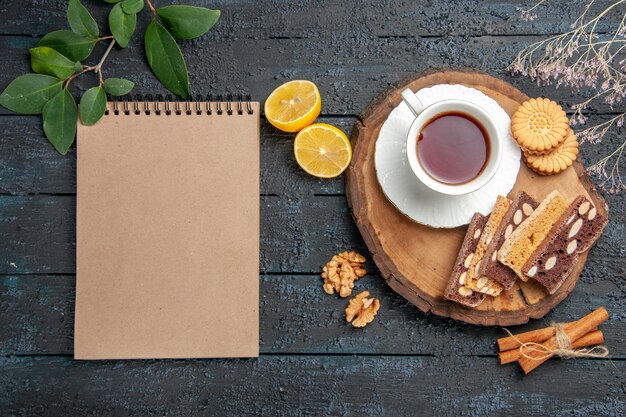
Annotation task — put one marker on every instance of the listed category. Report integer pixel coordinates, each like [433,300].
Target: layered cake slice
[456,289]
[520,245]
[475,281]
[522,206]
[575,231]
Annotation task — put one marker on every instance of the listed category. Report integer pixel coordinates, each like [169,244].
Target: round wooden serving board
[416,260]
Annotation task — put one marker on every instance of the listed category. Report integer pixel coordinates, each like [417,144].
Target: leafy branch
[56,62]
[96,68]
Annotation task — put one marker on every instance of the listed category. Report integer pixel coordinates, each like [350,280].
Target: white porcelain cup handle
[412,101]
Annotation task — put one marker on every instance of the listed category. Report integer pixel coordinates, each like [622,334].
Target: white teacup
[423,115]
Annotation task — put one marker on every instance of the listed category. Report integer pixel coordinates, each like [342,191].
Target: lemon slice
[293,105]
[322,150]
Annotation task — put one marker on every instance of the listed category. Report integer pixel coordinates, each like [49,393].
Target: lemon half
[322,150]
[293,106]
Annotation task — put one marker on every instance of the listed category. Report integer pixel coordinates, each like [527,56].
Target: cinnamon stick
[536,336]
[575,332]
[594,337]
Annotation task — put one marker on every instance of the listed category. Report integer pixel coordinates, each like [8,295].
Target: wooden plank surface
[308,385]
[312,363]
[298,234]
[297,317]
[350,69]
[288,18]
[29,164]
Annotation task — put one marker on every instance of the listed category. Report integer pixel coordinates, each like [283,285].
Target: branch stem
[152,9]
[95,68]
[106,54]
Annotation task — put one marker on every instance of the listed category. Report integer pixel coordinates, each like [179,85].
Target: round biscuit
[539,125]
[556,161]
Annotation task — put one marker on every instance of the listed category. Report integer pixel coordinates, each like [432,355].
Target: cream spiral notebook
[168,231]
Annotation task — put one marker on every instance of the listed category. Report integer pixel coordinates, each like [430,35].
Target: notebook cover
[168,236]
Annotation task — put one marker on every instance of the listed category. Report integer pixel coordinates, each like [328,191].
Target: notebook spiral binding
[198,104]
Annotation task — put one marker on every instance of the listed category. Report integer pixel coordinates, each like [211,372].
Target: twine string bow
[563,347]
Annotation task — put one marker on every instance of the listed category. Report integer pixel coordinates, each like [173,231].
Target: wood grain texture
[417,260]
[38,233]
[308,18]
[310,385]
[297,317]
[29,164]
[350,69]
[298,234]
[312,363]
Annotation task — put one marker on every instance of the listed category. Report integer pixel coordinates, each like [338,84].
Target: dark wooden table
[311,363]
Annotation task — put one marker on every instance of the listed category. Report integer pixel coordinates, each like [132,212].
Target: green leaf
[28,93]
[118,86]
[112,1]
[132,6]
[69,44]
[166,60]
[122,25]
[92,105]
[81,21]
[188,22]
[59,121]
[46,60]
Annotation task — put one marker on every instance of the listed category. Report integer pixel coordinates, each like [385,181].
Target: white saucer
[414,199]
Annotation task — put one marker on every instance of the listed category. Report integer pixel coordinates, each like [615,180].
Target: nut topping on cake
[550,263]
[481,282]
[527,209]
[592,213]
[553,261]
[465,292]
[520,245]
[491,267]
[571,247]
[457,290]
[584,207]
[575,228]
[486,286]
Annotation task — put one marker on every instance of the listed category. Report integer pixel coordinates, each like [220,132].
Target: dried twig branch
[580,58]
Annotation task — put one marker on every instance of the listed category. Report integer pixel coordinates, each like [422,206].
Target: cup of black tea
[454,147]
